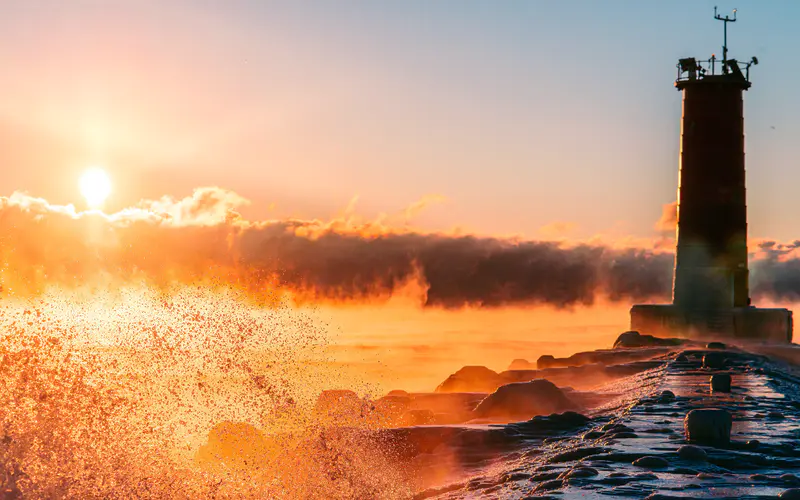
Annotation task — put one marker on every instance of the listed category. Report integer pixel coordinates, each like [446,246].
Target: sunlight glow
[95,186]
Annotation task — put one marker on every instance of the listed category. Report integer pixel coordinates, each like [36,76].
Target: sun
[95,186]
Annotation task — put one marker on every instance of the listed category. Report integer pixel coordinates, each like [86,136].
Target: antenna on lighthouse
[725,20]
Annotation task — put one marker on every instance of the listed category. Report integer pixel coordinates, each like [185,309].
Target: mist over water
[404,347]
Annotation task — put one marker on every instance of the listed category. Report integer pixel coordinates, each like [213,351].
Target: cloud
[203,239]
[418,206]
[776,270]
[207,206]
[557,229]
[668,221]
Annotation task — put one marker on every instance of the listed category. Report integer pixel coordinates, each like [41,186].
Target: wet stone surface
[636,446]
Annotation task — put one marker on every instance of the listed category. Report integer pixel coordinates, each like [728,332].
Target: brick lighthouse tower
[710,294]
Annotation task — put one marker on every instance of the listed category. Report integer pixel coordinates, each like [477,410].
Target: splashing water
[191,394]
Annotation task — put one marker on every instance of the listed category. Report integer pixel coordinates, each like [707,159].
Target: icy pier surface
[636,445]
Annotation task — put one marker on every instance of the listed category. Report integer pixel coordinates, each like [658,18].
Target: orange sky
[301,108]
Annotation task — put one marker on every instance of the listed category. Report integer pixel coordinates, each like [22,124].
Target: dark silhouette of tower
[710,292]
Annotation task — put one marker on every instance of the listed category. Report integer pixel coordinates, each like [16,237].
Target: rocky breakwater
[711,418]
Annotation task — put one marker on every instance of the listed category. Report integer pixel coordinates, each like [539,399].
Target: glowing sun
[95,186]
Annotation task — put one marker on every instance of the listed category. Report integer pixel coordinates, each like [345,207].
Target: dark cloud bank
[202,239]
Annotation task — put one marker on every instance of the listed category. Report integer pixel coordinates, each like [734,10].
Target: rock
[666,397]
[705,475]
[721,382]
[790,494]
[658,430]
[515,476]
[576,454]
[759,477]
[616,427]
[397,393]
[476,484]
[340,406]
[691,452]
[570,418]
[714,360]
[635,339]
[651,462]
[334,397]
[546,361]
[391,407]
[629,339]
[560,421]
[620,432]
[752,444]
[579,472]
[544,476]
[551,424]
[521,364]
[715,345]
[681,358]
[235,444]
[471,379]
[549,485]
[708,425]
[776,415]
[523,400]
[593,435]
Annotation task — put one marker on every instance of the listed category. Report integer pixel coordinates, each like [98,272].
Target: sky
[522,115]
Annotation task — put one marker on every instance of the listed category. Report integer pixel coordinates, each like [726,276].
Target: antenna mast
[725,20]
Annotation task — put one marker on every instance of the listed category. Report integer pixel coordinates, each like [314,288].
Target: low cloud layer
[668,221]
[203,239]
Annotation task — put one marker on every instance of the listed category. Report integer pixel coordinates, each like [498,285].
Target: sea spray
[195,394]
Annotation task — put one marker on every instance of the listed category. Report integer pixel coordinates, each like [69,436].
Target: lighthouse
[710,293]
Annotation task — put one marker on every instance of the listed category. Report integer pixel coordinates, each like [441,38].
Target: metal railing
[692,69]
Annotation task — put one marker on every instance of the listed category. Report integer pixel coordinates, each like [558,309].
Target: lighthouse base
[667,320]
